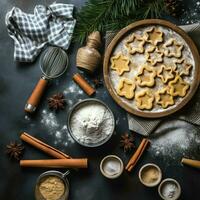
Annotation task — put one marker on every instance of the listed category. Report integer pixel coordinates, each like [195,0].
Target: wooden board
[134,27]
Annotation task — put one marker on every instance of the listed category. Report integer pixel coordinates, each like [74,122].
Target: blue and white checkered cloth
[52,25]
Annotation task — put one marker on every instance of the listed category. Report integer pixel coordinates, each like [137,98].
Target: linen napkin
[53,25]
[190,113]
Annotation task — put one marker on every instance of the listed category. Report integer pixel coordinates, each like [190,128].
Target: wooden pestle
[190,162]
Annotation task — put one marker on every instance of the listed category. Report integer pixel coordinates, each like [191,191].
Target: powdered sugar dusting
[175,140]
[60,132]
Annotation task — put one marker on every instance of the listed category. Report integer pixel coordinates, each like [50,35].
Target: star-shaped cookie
[144,99]
[155,36]
[178,87]
[165,73]
[146,76]
[126,88]
[120,63]
[135,44]
[154,55]
[163,98]
[173,48]
[183,67]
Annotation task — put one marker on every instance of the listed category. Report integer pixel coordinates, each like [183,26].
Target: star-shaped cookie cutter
[155,35]
[139,48]
[173,43]
[126,88]
[120,63]
[154,55]
[165,73]
[144,99]
[178,87]
[147,79]
[185,68]
[163,98]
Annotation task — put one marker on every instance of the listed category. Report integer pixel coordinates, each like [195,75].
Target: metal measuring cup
[62,176]
[53,64]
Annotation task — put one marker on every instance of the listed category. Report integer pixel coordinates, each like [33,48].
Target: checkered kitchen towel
[190,113]
[51,25]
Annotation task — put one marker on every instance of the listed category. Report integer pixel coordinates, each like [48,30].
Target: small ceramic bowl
[169,181]
[81,104]
[144,170]
[61,176]
[108,159]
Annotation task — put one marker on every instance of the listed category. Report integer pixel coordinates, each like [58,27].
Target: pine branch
[103,15]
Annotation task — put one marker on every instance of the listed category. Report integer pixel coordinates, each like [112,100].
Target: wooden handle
[190,162]
[36,95]
[56,163]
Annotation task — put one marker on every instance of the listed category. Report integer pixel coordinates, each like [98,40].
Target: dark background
[16,83]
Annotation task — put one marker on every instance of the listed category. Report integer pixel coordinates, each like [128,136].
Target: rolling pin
[190,162]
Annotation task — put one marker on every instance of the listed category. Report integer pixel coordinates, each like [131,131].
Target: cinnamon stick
[83,84]
[56,163]
[190,162]
[136,156]
[43,146]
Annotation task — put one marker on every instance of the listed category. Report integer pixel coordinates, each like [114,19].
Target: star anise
[97,82]
[14,150]
[57,101]
[126,142]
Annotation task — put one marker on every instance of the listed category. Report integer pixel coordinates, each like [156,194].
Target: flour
[60,132]
[92,123]
[112,167]
[49,119]
[174,140]
[169,190]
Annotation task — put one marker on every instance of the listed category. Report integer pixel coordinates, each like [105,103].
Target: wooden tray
[119,37]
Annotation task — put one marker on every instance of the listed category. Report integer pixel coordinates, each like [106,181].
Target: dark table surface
[16,83]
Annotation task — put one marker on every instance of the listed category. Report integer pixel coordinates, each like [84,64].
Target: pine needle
[111,15]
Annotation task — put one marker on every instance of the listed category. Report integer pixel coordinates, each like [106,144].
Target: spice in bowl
[150,175]
[91,123]
[169,189]
[111,166]
[52,185]
[52,188]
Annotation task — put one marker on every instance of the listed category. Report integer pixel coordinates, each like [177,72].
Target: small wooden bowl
[178,193]
[111,157]
[145,167]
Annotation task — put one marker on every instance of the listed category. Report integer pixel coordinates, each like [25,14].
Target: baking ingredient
[91,123]
[126,142]
[52,188]
[138,153]
[56,163]
[112,167]
[190,162]
[150,175]
[169,190]
[174,140]
[14,150]
[97,82]
[57,101]
[43,146]
[83,84]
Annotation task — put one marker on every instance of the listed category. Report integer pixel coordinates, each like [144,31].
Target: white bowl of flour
[91,123]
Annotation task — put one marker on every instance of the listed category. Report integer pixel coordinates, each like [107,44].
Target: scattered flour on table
[175,140]
[191,14]
[60,132]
